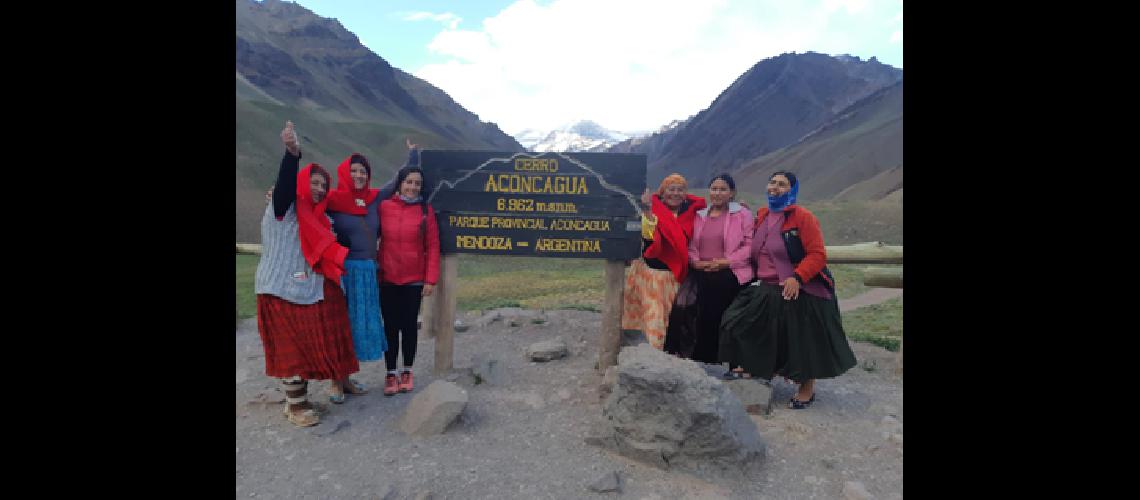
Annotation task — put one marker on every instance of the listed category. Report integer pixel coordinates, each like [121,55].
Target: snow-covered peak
[582,135]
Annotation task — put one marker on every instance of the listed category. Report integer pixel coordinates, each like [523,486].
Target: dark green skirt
[799,339]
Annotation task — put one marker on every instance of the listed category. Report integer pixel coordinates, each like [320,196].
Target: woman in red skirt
[302,314]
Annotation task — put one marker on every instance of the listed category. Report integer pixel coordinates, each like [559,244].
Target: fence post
[611,314]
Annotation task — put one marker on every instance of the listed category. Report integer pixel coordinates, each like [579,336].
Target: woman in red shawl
[652,281]
[302,315]
[355,211]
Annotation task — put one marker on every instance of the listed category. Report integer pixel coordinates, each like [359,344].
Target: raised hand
[411,145]
[647,198]
[289,137]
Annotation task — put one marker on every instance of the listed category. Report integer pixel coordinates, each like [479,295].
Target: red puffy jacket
[404,256]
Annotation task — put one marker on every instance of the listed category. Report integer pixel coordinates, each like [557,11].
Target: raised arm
[285,190]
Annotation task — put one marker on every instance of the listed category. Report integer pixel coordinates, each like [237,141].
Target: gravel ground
[523,438]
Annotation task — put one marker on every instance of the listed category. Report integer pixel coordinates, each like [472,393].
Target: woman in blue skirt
[355,212]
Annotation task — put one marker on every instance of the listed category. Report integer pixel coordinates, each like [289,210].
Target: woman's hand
[289,137]
[269,195]
[646,199]
[409,143]
[428,288]
[791,289]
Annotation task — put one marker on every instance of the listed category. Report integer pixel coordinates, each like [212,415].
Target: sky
[629,65]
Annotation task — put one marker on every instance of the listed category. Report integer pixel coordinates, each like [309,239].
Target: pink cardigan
[737,240]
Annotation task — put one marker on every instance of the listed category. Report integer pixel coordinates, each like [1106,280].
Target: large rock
[670,413]
[547,350]
[433,409]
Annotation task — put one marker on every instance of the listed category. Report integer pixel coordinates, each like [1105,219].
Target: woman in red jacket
[409,270]
[772,328]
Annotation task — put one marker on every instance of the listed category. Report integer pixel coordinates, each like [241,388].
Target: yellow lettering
[483,242]
[536,165]
[515,183]
[566,245]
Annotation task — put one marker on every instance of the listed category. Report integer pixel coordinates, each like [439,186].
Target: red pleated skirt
[311,341]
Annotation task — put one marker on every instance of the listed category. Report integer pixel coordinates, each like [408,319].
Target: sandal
[796,404]
[336,398]
[355,388]
[318,408]
[306,418]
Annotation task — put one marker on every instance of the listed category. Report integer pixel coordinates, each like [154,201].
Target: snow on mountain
[580,136]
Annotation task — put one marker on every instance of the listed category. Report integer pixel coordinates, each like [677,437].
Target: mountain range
[785,108]
[836,121]
[342,98]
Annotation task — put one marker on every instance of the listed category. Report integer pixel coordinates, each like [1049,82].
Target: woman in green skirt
[787,322]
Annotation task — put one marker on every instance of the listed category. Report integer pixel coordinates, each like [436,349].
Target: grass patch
[879,324]
[580,307]
[887,343]
[489,281]
[848,279]
[246,298]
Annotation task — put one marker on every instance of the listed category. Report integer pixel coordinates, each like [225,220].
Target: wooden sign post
[581,205]
[443,313]
[611,314]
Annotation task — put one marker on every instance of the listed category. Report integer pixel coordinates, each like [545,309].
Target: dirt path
[870,297]
[524,437]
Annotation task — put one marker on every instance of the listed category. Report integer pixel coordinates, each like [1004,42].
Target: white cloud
[631,65]
[896,37]
[852,6]
[447,19]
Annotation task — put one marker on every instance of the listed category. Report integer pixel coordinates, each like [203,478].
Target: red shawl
[318,243]
[671,243]
[346,198]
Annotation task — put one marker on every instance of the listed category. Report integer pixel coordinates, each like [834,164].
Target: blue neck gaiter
[779,203]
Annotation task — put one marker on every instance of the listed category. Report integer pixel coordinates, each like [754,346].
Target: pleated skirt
[799,339]
[311,341]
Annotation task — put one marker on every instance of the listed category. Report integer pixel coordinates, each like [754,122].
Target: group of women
[342,275]
[717,285]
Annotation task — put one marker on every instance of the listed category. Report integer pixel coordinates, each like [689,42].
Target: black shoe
[796,404]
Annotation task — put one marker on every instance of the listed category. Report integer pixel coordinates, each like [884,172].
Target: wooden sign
[537,204]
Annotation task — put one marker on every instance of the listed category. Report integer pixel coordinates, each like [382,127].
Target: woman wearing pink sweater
[718,258]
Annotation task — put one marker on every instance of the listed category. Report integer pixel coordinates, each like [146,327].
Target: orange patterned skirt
[648,297]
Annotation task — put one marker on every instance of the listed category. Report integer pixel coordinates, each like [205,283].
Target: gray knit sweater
[282,270]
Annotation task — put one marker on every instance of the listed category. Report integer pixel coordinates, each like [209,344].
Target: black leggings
[400,305]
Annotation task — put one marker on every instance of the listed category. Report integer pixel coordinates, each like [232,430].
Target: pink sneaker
[406,382]
[391,387]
